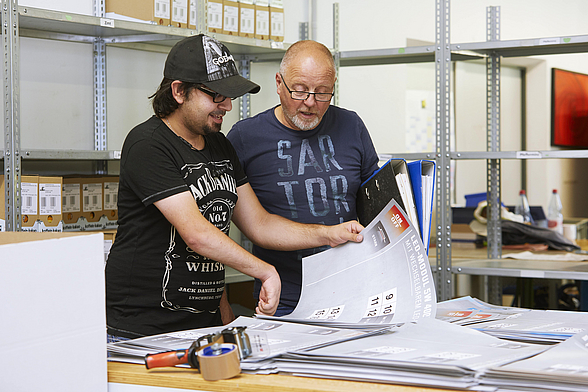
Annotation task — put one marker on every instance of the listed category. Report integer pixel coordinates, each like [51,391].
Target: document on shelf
[385,279]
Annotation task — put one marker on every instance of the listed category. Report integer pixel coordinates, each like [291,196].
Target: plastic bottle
[554,214]
[522,208]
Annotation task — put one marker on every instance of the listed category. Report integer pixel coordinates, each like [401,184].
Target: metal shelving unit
[442,53]
[37,23]
[21,21]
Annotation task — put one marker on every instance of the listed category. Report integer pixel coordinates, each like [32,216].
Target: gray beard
[303,125]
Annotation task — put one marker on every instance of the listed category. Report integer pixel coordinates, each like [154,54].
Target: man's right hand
[269,295]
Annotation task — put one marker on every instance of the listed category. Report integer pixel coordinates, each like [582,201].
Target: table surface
[184,378]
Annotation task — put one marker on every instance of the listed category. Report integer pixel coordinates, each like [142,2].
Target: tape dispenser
[217,355]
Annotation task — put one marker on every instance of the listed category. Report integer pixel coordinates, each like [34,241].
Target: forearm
[274,232]
[278,233]
[207,240]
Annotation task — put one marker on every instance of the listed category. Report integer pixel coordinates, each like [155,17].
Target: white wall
[56,82]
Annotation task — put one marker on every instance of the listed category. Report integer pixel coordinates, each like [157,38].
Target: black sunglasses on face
[216,97]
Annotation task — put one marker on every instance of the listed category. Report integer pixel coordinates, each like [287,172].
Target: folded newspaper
[385,279]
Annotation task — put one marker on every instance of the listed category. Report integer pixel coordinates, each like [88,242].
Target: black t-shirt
[154,282]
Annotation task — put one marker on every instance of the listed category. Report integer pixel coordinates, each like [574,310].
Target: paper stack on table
[428,353]
[563,367]
[524,325]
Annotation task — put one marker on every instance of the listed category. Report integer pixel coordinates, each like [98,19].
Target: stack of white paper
[268,340]
[563,367]
[526,325]
[428,353]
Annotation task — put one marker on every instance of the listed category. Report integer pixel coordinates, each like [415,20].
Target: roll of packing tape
[219,361]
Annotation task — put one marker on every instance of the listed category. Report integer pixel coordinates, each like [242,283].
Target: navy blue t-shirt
[306,176]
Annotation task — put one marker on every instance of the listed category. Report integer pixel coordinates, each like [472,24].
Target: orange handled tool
[173,358]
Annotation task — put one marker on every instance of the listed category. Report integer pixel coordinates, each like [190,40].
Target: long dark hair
[163,101]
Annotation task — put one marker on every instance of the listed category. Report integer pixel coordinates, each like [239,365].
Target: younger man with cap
[180,185]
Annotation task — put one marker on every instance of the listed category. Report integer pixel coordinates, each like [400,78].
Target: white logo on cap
[223,59]
[220,63]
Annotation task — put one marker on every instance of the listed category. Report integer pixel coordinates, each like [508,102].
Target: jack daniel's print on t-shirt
[214,188]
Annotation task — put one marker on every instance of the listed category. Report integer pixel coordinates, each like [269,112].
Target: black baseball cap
[202,59]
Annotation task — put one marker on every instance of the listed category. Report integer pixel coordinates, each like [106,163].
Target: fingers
[269,295]
[265,308]
[346,232]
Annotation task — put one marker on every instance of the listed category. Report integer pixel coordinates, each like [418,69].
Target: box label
[278,24]
[180,12]
[29,194]
[110,195]
[215,15]
[49,199]
[71,198]
[231,19]
[247,20]
[161,9]
[92,194]
[262,23]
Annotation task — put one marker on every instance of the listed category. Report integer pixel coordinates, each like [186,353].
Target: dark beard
[207,129]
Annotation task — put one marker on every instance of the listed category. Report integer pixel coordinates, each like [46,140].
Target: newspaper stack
[428,353]
[525,325]
[269,339]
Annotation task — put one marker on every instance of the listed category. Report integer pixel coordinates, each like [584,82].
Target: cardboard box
[62,274]
[276,11]
[71,201]
[92,200]
[247,19]
[110,202]
[179,14]
[230,17]
[215,16]
[29,200]
[156,11]
[193,14]
[50,211]
[262,22]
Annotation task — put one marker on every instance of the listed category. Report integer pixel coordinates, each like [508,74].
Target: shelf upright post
[493,136]
[12,157]
[245,103]
[337,52]
[493,191]
[443,201]
[100,91]
[303,31]
[202,25]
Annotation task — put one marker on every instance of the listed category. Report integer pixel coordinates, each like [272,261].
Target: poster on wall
[569,109]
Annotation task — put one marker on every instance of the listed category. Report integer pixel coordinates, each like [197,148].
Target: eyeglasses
[216,97]
[303,95]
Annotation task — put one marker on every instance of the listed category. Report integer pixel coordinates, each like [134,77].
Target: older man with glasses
[305,158]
